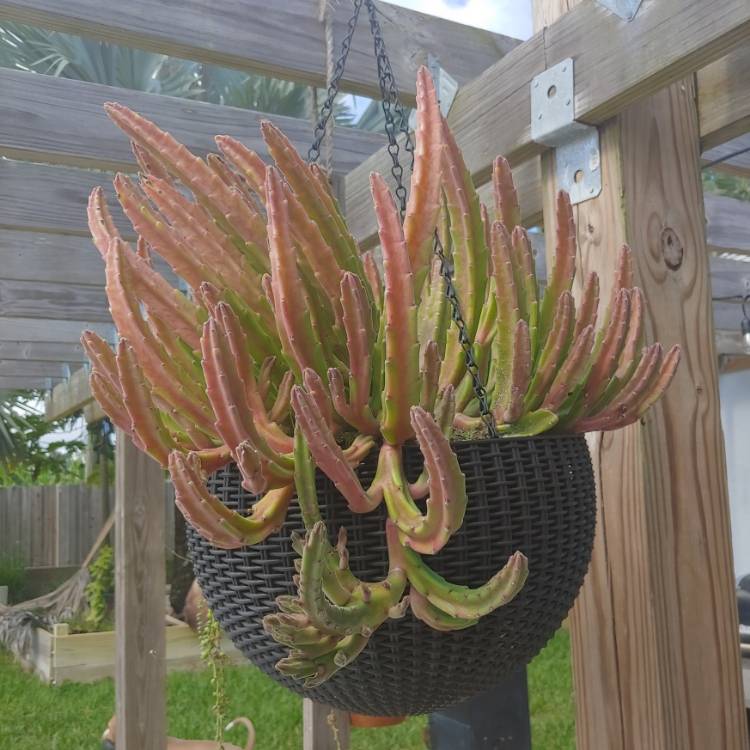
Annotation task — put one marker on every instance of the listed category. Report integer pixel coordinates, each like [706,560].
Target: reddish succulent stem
[424,195]
[401,388]
[507,210]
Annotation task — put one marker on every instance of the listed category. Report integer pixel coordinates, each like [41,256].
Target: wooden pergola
[654,631]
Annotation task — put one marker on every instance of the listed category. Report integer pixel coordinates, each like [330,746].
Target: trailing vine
[209,636]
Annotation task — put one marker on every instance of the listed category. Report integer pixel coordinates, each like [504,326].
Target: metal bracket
[445,85]
[578,162]
[626,9]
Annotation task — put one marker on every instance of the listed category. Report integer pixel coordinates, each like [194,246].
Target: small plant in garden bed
[293,351]
[99,595]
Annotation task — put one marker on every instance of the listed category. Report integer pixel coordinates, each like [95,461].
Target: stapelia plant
[292,350]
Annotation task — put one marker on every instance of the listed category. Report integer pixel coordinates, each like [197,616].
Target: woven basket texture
[535,494]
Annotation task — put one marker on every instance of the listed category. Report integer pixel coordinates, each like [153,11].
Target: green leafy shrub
[100,588]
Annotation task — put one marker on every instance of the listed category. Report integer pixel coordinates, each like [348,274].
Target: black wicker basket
[535,494]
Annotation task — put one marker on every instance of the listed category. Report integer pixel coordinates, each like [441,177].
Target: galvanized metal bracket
[626,9]
[553,123]
[445,85]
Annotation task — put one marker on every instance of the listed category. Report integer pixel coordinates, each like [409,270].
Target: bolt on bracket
[626,9]
[577,155]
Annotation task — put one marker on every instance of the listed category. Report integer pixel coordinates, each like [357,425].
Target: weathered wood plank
[32,330]
[47,257]
[58,258]
[736,363]
[729,278]
[15,368]
[285,40]
[47,299]
[727,223]
[139,599]
[41,198]
[640,681]
[732,157]
[729,343]
[61,121]
[491,115]
[685,482]
[724,98]
[727,315]
[45,351]
[62,656]
[16,384]
[324,728]
[68,397]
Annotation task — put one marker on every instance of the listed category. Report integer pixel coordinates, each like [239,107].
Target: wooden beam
[730,343]
[12,368]
[491,115]
[728,315]
[93,413]
[40,198]
[724,101]
[727,223]
[33,330]
[23,383]
[729,278]
[140,671]
[41,351]
[59,258]
[68,397]
[735,363]
[684,501]
[47,299]
[40,256]
[732,157]
[640,681]
[61,121]
[284,40]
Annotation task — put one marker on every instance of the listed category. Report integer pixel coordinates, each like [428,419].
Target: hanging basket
[534,494]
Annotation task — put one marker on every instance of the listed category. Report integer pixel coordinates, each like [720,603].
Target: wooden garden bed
[59,655]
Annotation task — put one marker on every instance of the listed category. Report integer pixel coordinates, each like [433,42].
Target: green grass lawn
[73,716]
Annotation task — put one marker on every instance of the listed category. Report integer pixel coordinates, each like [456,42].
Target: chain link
[391,104]
[326,110]
[446,271]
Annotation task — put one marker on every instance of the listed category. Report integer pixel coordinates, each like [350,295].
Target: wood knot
[671,248]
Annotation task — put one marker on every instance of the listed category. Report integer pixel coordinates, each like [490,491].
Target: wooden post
[654,631]
[324,728]
[139,599]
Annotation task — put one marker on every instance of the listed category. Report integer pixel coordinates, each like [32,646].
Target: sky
[510,17]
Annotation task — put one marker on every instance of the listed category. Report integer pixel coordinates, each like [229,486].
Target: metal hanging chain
[391,103]
[333,88]
[446,271]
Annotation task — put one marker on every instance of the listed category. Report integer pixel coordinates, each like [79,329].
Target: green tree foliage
[28,455]
[722,183]
[69,56]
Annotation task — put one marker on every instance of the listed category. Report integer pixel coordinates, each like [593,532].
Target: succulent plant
[293,350]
